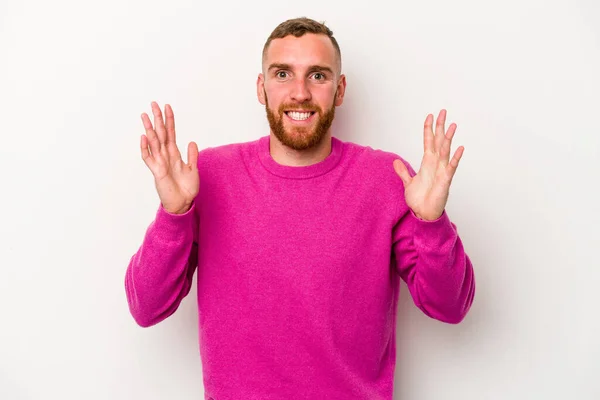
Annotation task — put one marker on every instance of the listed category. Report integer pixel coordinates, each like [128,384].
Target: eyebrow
[311,68]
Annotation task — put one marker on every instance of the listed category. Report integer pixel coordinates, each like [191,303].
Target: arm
[429,255]
[159,274]
[430,258]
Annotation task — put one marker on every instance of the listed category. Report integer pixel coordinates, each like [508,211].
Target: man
[299,239]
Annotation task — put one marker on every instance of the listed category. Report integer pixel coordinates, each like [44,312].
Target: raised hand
[427,192]
[177,183]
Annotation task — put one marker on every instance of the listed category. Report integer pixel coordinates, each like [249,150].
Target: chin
[300,140]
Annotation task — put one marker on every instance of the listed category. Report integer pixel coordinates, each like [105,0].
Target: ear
[341,89]
[260,89]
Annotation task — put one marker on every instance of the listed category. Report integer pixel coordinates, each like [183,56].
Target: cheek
[325,92]
[273,97]
[324,98]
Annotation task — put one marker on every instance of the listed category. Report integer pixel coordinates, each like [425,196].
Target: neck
[299,158]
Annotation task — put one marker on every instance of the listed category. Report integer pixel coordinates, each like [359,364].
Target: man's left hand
[427,192]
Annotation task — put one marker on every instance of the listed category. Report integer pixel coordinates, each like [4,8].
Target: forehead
[309,49]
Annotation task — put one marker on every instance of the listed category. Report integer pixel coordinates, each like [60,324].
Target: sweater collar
[302,172]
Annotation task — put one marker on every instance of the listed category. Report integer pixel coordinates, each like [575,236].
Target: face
[300,87]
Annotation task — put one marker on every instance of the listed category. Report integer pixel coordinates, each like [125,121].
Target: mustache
[299,107]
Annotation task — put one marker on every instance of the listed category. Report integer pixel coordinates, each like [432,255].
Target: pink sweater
[298,272]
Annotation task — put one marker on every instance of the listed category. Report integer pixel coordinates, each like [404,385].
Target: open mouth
[299,115]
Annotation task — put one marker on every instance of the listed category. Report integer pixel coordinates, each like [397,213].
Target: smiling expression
[301,86]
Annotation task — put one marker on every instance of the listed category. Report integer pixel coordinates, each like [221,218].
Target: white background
[519,77]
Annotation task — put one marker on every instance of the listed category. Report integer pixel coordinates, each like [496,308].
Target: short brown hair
[298,27]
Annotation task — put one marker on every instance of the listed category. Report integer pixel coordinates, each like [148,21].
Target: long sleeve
[159,274]
[431,259]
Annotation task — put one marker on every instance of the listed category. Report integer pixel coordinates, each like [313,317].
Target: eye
[281,74]
[319,76]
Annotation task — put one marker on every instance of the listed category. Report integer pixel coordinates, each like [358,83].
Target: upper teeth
[299,116]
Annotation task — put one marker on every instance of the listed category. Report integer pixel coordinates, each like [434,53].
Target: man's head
[301,82]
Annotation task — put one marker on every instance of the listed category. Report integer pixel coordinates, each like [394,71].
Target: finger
[151,134]
[193,155]
[146,156]
[453,165]
[159,125]
[428,139]
[402,172]
[447,144]
[170,127]
[440,129]
[170,124]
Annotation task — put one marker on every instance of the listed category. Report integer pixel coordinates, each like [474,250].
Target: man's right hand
[177,183]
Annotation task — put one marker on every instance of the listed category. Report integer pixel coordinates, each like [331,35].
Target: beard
[300,138]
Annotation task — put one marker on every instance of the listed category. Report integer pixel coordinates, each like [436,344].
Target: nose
[300,91]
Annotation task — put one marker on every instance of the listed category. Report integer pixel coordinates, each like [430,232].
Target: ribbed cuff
[433,234]
[174,226]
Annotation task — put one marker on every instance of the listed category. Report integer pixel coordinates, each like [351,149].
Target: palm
[177,179]
[427,192]
[177,183]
